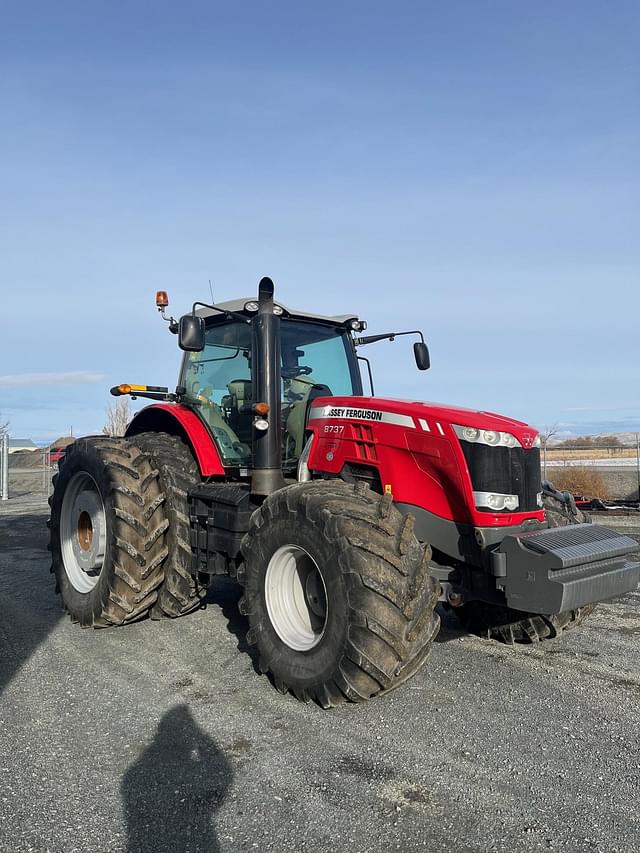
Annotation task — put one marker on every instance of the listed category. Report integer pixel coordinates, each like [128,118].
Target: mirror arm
[390,336]
[230,314]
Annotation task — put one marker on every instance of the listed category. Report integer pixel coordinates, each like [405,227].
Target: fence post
[4,466]
[638,461]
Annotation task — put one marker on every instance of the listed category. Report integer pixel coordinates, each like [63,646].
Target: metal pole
[638,461]
[4,466]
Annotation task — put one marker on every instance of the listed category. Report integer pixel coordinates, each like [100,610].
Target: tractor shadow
[171,794]
[450,627]
[30,609]
[225,594]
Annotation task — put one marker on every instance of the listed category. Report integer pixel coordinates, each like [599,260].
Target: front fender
[176,419]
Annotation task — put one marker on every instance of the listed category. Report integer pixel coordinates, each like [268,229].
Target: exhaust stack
[266,381]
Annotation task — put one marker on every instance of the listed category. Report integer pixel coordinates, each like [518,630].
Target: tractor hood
[430,417]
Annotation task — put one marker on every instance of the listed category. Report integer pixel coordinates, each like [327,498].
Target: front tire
[107,537]
[337,591]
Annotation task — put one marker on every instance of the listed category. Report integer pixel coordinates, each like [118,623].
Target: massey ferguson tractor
[345,518]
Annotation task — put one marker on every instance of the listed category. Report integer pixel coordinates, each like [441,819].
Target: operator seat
[231,448]
[236,402]
[302,390]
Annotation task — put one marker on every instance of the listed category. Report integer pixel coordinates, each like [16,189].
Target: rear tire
[513,626]
[180,593]
[108,527]
[337,591]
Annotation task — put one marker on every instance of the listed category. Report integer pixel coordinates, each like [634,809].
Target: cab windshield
[317,361]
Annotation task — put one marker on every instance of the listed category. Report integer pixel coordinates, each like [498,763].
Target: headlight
[251,306]
[495,502]
[509,440]
[490,437]
[277,310]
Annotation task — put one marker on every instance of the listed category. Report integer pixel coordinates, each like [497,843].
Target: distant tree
[4,425]
[548,433]
[118,417]
[610,441]
[588,441]
[581,441]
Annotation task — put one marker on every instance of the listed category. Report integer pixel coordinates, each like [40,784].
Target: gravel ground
[161,736]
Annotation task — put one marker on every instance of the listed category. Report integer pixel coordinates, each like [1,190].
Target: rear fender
[176,419]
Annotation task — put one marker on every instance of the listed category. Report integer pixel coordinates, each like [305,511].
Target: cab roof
[237,306]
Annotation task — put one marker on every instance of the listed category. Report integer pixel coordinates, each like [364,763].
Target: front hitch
[563,568]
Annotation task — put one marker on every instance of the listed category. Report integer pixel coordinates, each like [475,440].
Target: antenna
[211,292]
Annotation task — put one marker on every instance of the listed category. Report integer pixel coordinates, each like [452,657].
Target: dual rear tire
[120,529]
[108,525]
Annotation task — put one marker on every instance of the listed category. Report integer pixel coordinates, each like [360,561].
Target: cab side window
[216,380]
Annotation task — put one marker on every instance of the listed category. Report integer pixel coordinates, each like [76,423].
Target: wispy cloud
[77,377]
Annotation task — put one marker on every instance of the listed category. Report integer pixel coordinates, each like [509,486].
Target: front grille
[505,471]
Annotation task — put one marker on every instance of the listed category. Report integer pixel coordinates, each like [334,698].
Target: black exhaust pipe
[266,475]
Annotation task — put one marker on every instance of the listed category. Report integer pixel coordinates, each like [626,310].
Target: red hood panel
[437,412]
[413,447]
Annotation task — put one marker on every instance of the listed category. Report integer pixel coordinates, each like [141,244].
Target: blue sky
[471,168]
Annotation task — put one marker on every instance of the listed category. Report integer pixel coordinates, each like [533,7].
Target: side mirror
[421,353]
[191,333]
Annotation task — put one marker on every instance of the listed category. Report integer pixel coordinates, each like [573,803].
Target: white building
[16,444]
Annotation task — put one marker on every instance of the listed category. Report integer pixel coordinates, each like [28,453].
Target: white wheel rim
[83,532]
[296,598]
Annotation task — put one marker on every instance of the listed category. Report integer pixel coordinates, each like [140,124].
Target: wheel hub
[296,598]
[83,532]
[315,595]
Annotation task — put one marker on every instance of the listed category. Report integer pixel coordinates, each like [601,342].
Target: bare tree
[4,426]
[118,417]
[545,434]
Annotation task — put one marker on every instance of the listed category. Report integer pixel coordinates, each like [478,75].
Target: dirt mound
[63,441]
[26,459]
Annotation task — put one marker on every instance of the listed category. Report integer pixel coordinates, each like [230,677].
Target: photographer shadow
[172,792]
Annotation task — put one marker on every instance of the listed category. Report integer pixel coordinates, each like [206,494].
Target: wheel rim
[83,532]
[296,598]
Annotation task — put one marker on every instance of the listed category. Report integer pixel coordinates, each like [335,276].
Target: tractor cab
[317,359]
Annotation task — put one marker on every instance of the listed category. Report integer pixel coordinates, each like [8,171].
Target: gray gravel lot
[161,737]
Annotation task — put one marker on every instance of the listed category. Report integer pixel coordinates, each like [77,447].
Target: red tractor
[344,517]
